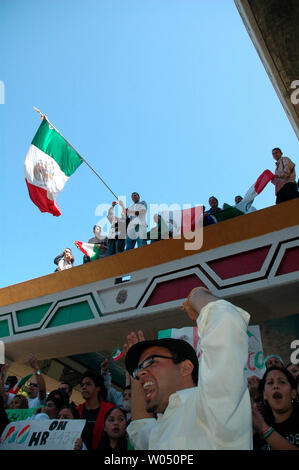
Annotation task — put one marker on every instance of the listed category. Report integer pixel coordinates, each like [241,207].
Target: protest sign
[255,361]
[48,434]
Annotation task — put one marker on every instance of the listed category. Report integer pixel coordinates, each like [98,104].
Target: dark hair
[23,400]
[277,148]
[213,197]
[73,409]
[58,403]
[59,257]
[290,364]
[180,349]
[288,375]
[66,383]
[12,380]
[127,387]
[267,412]
[96,226]
[98,381]
[122,442]
[112,409]
[62,396]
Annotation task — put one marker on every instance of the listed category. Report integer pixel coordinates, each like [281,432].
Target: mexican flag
[116,354]
[187,333]
[20,384]
[254,190]
[89,249]
[49,163]
[243,206]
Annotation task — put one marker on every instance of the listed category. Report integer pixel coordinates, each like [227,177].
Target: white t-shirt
[140,207]
[34,402]
[64,265]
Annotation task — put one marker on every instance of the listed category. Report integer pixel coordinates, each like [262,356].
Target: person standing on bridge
[180,404]
[94,408]
[285,176]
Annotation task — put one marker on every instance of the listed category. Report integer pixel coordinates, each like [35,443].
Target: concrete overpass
[273,28]
[76,317]
[73,320]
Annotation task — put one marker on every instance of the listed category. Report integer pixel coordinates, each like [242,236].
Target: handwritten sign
[255,362]
[46,434]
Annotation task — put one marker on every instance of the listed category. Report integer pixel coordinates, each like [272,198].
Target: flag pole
[83,160]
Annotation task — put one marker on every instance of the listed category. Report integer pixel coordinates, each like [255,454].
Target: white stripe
[89,248]
[43,171]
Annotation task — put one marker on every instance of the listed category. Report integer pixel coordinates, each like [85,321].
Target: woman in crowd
[94,408]
[18,402]
[68,412]
[114,437]
[277,425]
[65,260]
[60,395]
[49,411]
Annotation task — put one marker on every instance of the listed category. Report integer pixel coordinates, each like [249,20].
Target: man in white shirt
[37,386]
[136,230]
[213,412]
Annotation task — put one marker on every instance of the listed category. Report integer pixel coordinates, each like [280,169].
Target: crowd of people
[275,406]
[172,399]
[130,229]
[106,411]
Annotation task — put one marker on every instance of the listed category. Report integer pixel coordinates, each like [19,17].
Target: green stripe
[228,212]
[23,380]
[95,253]
[164,333]
[54,145]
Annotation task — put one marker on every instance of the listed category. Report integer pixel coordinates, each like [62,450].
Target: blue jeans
[116,246]
[130,243]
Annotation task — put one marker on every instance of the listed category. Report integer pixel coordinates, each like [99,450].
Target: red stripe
[81,247]
[190,219]
[263,180]
[40,198]
[23,430]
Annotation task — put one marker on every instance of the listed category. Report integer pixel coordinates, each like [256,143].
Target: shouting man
[178,403]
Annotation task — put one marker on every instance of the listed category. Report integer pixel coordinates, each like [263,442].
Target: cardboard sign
[48,434]
[255,361]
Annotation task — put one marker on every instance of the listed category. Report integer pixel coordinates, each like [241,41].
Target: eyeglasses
[33,384]
[148,362]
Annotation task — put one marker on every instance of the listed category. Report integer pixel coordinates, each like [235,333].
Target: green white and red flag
[254,190]
[243,207]
[116,354]
[89,249]
[49,163]
[20,384]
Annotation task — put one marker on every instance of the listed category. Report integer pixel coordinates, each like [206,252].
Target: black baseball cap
[178,347]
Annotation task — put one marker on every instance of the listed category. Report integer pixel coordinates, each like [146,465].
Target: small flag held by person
[117,354]
[49,163]
[89,249]
[19,384]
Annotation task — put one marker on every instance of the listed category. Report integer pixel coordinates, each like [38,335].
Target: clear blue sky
[164,97]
